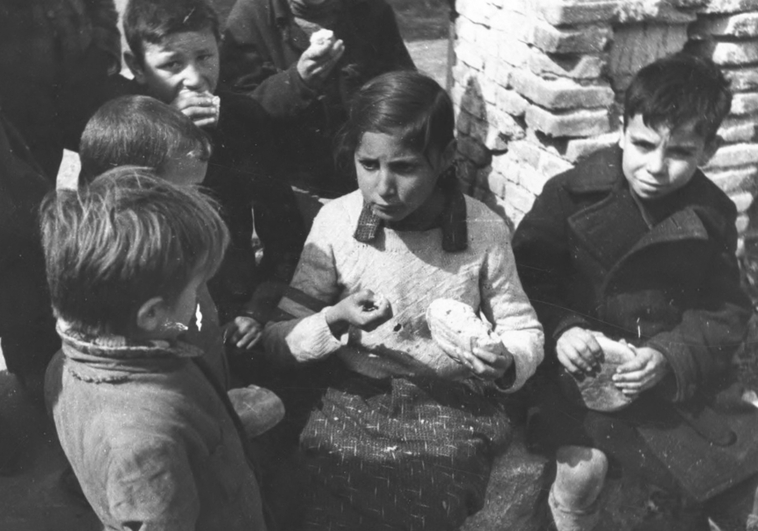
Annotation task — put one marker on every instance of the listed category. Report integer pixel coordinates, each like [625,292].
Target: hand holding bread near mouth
[203,108]
[318,61]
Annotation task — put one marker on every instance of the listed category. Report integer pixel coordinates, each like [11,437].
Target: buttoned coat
[587,257]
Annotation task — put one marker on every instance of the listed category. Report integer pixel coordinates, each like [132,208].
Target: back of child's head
[676,90]
[138,131]
[402,103]
[151,21]
[124,239]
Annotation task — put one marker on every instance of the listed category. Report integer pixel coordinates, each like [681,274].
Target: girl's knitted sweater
[411,269]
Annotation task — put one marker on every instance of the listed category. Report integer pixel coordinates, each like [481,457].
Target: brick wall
[536,85]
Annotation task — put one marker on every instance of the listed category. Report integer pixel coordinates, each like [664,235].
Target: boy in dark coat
[174,58]
[635,243]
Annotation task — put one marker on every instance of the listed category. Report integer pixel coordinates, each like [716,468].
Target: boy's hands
[318,61]
[244,332]
[365,310]
[578,351]
[643,372]
[201,107]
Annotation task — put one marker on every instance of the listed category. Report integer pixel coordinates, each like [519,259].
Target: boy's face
[179,314]
[185,170]
[657,162]
[182,61]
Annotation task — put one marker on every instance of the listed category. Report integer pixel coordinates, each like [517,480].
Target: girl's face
[397,181]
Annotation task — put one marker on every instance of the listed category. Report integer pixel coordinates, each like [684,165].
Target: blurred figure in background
[277,52]
[58,60]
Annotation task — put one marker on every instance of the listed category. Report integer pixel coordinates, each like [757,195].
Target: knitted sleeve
[505,304]
[298,330]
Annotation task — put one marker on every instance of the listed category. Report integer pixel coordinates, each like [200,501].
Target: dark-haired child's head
[672,111]
[400,138]
[174,46]
[142,131]
[126,254]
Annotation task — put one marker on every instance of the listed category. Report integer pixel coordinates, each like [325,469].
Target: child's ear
[135,66]
[151,316]
[621,131]
[710,149]
[448,154]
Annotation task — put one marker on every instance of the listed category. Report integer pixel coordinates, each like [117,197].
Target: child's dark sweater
[243,176]
[588,258]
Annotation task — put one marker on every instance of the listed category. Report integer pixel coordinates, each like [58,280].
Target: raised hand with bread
[318,61]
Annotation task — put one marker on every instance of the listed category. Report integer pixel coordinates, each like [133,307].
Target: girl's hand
[643,372]
[578,351]
[364,310]
[490,362]
[244,332]
[318,61]
[201,107]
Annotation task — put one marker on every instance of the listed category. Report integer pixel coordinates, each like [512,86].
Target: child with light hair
[147,427]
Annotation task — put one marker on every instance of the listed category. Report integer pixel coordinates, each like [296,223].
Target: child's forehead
[685,133]
[388,144]
[183,42]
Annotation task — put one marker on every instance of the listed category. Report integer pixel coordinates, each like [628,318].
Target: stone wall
[536,84]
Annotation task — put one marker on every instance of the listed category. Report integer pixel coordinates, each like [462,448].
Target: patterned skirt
[400,454]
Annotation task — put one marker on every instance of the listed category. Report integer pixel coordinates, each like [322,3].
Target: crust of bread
[598,392]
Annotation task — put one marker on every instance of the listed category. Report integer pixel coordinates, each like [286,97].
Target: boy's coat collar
[599,173]
[628,234]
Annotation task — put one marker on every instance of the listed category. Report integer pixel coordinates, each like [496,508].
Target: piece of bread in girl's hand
[458,330]
[598,391]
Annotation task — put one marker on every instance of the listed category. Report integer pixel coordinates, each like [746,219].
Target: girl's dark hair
[153,20]
[403,102]
[677,89]
[138,131]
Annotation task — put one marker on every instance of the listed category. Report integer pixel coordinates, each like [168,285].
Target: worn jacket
[150,437]
[55,60]
[259,55]
[587,258]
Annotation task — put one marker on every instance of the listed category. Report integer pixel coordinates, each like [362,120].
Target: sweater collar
[453,223]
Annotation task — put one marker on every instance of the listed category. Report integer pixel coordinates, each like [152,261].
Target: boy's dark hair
[124,239]
[154,20]
[677,89]
[402,102]
[138,131]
